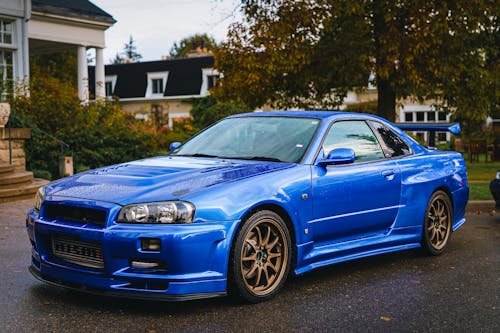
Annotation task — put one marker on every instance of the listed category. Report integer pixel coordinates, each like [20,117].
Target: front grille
[78,252]
[74,214]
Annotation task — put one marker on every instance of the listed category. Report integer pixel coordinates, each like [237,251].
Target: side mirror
[174,145]
[338,156]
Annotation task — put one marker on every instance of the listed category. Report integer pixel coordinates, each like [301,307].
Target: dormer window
[109,88]
[157,83]
[157,86]
[210,78]
[109,85]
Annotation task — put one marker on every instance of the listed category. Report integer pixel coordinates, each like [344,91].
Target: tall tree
[309,53]
[202,42]
[130,50]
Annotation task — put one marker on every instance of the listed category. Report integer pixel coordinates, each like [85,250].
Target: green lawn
[482,171]
[480,191]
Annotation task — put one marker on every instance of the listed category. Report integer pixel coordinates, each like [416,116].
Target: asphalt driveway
[408,292]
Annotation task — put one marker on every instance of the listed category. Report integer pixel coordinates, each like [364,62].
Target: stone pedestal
[17,136]
[4,113]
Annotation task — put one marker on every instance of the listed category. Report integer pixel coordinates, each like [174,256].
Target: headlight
[498,175]
[157,212]
[39,197]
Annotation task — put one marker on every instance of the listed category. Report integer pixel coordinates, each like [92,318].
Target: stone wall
[18,136]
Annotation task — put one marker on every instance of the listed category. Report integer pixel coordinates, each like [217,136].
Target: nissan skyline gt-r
[245,203]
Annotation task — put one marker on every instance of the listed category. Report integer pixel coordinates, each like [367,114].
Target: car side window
[356,135]
[393,145]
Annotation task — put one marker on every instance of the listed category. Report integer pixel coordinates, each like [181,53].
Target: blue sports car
[245,203]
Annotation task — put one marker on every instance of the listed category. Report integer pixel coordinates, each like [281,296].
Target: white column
[100,91]
[25,42]
[83,75]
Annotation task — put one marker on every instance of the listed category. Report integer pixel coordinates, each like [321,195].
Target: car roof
[297,113]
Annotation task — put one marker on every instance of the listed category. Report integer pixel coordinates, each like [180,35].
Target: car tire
[437,223]
[261,257]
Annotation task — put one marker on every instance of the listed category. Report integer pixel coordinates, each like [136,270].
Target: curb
[480,206]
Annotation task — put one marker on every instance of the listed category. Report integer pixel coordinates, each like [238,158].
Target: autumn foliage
[308,54]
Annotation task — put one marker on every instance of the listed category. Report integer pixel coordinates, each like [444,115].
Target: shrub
[96,134]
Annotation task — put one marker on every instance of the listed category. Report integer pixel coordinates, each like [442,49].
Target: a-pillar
[83,75]
[100,91]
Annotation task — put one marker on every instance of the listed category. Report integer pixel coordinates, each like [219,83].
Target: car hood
[156,179]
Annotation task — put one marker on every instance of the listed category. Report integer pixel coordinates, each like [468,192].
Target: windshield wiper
[256,158]
[196,155]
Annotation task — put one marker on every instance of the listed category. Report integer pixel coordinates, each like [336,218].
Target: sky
[156,24]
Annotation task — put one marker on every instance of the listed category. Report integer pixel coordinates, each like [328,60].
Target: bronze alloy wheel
[261,256]
[438,220]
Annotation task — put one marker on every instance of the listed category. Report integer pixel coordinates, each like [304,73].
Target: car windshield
[280,139]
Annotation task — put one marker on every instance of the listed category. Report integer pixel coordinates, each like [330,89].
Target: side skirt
[311,256]
[336,260]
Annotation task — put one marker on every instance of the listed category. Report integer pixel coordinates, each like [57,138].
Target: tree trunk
[386,105]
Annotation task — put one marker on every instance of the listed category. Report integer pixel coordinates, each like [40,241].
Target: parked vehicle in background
[495,189]
[245,203]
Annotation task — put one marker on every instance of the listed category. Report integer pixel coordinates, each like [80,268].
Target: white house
[158,90]
[49,26]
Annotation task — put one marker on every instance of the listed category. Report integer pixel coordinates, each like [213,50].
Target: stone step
[6,168]
[15,178]
[24,191]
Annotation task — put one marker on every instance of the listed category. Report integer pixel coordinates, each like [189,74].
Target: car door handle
[389,174]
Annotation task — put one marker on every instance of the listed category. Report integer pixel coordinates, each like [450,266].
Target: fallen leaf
[416,281]
[384,318]
[45,302]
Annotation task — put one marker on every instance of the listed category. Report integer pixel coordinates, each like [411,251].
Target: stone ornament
[4,114]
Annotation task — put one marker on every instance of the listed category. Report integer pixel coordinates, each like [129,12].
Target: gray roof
[75,8]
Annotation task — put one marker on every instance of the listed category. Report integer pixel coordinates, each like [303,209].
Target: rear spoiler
[442,127]
[453,128]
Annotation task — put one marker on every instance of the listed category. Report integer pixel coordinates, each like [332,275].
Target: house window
[6,72]
[409,117]
[157,83]
[108,86]
[420,116]
[212,80]
[6,32]
[157,86]
[431,116]
[441,136]
[442,116]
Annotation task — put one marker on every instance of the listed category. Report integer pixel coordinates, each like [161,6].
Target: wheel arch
[427,242]
[283,213]
[446,190]
[233,287]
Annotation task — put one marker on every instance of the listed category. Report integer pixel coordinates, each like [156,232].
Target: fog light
[150,244]
[144,264]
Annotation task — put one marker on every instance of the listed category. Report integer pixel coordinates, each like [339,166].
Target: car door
[355,200]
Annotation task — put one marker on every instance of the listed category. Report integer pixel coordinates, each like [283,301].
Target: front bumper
[192,259]
[118,293]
